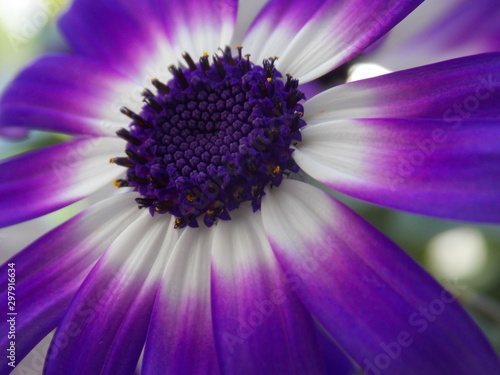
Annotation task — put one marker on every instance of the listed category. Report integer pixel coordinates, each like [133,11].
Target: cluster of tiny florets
[212,138]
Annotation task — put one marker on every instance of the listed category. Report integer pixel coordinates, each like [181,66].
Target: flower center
[212,138]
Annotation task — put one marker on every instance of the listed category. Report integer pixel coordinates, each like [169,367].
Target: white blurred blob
[364,71]
[13,13]
[457,253]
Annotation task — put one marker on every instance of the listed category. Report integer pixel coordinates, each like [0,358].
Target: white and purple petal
[338,31]
[198,26]
[275,26]
[69,94]
[424,166]
[398,320]
[260,326]
[50,271]
[463,88]
[180,337]
[441,30]
[110,314]
[48,179]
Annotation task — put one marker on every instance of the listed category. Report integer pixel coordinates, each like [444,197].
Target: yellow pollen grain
[178,222]
[276,170]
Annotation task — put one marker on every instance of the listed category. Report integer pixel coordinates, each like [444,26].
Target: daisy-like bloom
[236,264]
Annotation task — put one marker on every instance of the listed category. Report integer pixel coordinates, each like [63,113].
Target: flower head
[212,139]
[235,263]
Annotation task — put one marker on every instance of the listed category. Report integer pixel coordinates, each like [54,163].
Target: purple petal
[49,271]
[419,165]
[67,94]
[259,324]
[12,132]
[110,314]
[180,338]
[127,36]
[337,362]
[338,31]
[438,31]
[452,90]
[389,315]
[47,179]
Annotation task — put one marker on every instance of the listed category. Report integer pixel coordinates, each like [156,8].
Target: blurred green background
[27,29]
[450,250]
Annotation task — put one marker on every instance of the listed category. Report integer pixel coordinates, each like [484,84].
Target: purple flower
[237,263]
